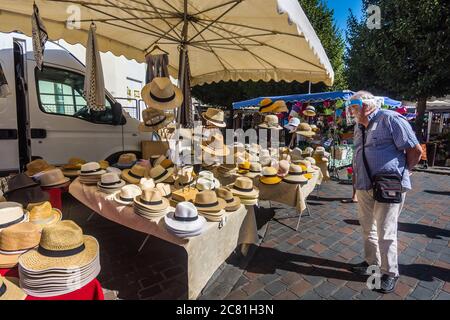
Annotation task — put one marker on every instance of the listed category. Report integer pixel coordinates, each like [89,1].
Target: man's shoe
[388,283]
[360,268]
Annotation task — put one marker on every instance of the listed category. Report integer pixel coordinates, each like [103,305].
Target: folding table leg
[307,209]
[298,222]
[90,216]
[143,243]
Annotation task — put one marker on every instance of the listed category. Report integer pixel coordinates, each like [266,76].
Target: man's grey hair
[369,98]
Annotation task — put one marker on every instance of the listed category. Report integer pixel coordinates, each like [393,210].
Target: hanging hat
[16,240]
[310,111]
[207,201]
[126,161]
[73,166]
[293,124]
[243,188]
[295,175]
[283,168]
[43,214]
[110,182]
[268,106]
[215,146]
[53,178]
[159,174]
[151,200]
[37,166]
[269,176]
[154,119]
[270,122]
[280,107]
[10,291]
[232,203]
[164,189]
[126,194]
[305,130]
[146,183]
[185,221]
[91,168]
[254,170]
[215,117]
[135,174]
[62,246]
[161,94]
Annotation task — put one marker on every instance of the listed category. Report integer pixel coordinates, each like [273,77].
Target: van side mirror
[117,115]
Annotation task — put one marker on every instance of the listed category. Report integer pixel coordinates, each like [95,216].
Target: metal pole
[183,52]
[309,89]
[430,120]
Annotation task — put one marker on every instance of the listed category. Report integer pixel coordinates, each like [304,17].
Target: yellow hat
[269,176]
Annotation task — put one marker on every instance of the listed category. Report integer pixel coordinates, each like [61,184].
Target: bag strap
[366,164]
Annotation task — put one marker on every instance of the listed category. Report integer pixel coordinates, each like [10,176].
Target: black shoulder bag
[387,187]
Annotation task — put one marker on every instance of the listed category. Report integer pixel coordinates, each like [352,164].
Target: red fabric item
[55,196]
[91,291]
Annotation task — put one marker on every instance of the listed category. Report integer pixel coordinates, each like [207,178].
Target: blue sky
[341,10]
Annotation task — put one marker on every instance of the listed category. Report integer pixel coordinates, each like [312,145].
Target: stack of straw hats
[232,203]
[125,161]
[65,261]
[151,204]
[185,222]
[73,166]
[269,176]
[254,170]
[11,213]
[295,175]
[243,188]
[109,183]
[90,173]
[209,206]
[125,196]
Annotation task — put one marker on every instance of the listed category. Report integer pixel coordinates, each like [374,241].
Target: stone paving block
[325,289]
[260,295]
[285,295]
[432,285]
[268,278]
[306,243]
[367,294]
[276,287]
[344,293]
[299,288]
[311,295]
[421,293]
[443,296]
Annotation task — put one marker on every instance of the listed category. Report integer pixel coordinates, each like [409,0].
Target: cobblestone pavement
[311,263]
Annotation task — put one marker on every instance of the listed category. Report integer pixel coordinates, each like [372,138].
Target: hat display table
[204,253]
[91,291]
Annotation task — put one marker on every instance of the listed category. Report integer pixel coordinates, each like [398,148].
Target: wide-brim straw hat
[237,190]
[161,94]
[53,178]
[70,173]
[232,203]
[215,146]
[155,201]
[271,122]
[268,106]
[270,180]
[154,120]
[207,201]
[37,166]
[214,117]
[43,214]
[134,174]
[53,252]
[295,178]
[11,290]
[160,174]
[184,226]
[129,201]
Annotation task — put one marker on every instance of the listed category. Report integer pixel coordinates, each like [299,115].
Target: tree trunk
[421,107]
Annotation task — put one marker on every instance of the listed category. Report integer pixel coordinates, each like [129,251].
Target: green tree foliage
[321,18]
[408,58]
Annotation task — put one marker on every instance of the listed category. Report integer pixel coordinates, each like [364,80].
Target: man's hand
[413,156]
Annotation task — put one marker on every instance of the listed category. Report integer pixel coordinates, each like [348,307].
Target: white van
[46,115]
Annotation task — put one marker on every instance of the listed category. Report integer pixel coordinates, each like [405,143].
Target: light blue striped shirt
[387,137]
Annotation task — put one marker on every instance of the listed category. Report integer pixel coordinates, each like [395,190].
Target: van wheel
[114,157]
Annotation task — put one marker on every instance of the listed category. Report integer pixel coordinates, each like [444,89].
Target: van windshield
[61,92]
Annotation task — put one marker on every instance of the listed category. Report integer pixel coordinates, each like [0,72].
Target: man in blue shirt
[390,147]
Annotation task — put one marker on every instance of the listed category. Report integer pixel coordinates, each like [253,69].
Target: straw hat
[43,214]
[135,174]
[161,94]
[167,163]
[254,170]
[270,122]
[91,168]
[152,200]
[184,221]
[207,181]
[283,168]
[243,188]
[320,154]
[280,106]
[296,155]
[232,203]
[10,291]
[62,246]
[154,119]
[156,160]
[269,176]
[110,182]
[315,128]
[265,158]
[73,166]
[308,151]
[103,164]
[126,194]
[159,174]
[311,160]
[207,201]
[15,240]
[184,180]
[164,189]
[295,175]
[307,166]
[36,166]
[126,161]
[215,146]
[310,111]
[293,124]
[215,117]
[305,130]
[146,183]
[244,167]
[268,106]
[53,178]
[11,213]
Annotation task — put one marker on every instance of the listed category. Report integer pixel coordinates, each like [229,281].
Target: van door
[62,125]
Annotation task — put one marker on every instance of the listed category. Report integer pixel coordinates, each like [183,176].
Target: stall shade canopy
[227,39]
[313,97]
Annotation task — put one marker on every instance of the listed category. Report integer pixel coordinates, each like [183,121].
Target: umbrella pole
[182,64]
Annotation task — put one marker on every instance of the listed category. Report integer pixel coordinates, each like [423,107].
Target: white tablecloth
[205,253]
